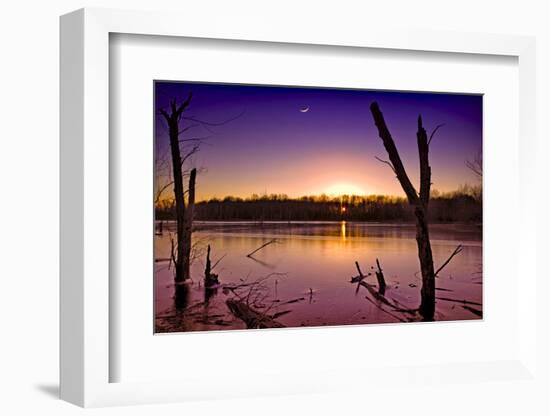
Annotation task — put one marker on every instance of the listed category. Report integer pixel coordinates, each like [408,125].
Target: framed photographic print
[290,202]
[283,196]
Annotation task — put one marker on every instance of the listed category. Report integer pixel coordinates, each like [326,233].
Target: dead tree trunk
[188,227]
[173,120]
[419,201]
[208,266]
[210,279]
[380,279]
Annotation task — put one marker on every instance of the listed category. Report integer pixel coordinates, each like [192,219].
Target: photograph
[281,206]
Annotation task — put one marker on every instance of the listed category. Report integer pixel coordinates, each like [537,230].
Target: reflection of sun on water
[343,230]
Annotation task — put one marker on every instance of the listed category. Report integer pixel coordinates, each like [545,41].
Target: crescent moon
[304,109]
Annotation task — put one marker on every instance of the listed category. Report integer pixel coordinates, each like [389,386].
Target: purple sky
[273,147]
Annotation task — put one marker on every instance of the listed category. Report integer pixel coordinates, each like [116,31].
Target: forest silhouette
[463,205]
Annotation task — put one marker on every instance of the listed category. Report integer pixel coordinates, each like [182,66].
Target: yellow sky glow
[343,188]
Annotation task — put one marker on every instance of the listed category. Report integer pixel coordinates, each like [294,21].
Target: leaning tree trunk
[418,201]
[173,121]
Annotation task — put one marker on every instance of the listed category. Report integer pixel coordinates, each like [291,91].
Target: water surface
[305,276]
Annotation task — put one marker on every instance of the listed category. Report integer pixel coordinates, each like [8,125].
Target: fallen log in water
[252,318]
[382,299]
[377,294]
[361,276]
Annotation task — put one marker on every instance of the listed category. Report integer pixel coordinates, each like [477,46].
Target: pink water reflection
[313,263]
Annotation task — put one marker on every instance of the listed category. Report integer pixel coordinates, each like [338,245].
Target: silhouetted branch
[466,302]
[476,165]
[425,170]
[454,253]
[262,246]
[361,276]
[211,124]
[434,131]
[218,261]
[387,162]
[191,126]
[161,190]
[195,139]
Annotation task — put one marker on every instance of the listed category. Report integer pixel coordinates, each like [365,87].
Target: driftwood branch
[458,249]
[379,296]
[252,318]
[262,246]
[400,319]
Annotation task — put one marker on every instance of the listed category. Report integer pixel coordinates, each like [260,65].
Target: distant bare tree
[476,165]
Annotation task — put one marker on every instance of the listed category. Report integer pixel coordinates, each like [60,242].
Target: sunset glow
[340,189]
[255,141]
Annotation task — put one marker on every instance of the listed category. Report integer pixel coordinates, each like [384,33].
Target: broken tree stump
[210,279]
[380,278]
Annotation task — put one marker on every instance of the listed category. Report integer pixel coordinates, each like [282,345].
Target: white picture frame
[85,164]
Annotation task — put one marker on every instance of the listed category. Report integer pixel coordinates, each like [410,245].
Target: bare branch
[194,150]
[195,139]
[183,105]
[387,162]
[161,190]
[165,114]
[425,170]
[215,264]
[191,126]
[434,131]
[474,167]
[262,246]
[457,250]
[206,123]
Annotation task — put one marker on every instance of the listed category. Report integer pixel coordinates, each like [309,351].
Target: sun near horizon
[344,188]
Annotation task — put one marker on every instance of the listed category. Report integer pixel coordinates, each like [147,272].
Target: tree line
[463,205]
